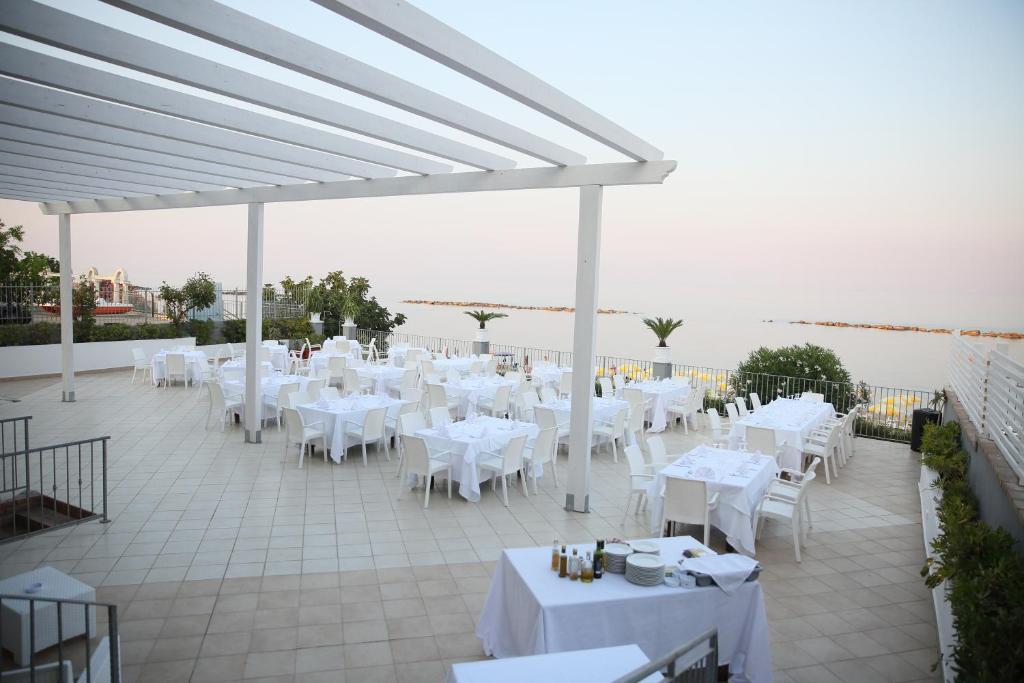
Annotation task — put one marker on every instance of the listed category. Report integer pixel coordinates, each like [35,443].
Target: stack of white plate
[615,555]
[645,570]
[646,547]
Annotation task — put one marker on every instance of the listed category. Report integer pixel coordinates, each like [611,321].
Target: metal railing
[990,387]
[51,621]
[695,661]
[53,486]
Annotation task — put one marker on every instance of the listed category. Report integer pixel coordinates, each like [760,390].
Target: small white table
[16,617]
[662,395]
[578,666]
[335,414]
[792,421]
[195,361]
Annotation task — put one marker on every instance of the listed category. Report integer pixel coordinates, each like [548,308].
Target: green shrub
[984,573]
[35,334]
[233,331]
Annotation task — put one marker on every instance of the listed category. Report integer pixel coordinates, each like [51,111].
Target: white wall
[29,361]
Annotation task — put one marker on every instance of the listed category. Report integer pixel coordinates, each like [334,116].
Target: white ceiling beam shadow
[629,173]
[162,185]
[364,160]
[58,154]
[56,181]
[240,31]
[232,176]
[49,113]
[61,194]
[417,30]
[67,31]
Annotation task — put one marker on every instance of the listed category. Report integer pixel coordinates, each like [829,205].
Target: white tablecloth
[605,409]
[529,610]
[662,395]
[792,421]
[195,361]
[336,413]
[460,365]
[397,354]
[578,666]
[320,360]
[548,375]
[466,440]
[269,386]
[384,377]
[740,480]
[234,370]
[470,390]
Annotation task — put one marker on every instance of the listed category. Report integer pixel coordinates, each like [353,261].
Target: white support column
[67,318]
[584,339]
[253,324]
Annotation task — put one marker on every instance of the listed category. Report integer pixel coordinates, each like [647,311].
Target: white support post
[577,497]
[67,319]
[254,325]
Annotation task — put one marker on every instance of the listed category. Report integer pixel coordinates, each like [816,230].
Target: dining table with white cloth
[195,364]
[384,377]
[604,409]
[661,394]
[739,478]
[792,420]
[344,347]
[278,354]
[235,369]
[333,414]
[530,611]
[399,352]
[548,375]
[467,439]
[319,361]
[269,388]
[469,390]
[577,666]
[460,364]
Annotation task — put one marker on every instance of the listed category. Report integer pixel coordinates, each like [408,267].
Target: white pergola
[80,139]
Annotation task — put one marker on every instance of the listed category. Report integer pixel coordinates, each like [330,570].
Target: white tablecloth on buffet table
[661,394]
[194,362]
[578,666]
[792,421]
[529,610]
[333,415]
[468,439]
[740,479]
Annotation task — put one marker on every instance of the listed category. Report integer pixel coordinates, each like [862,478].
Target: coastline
[511,307]
[1016,336]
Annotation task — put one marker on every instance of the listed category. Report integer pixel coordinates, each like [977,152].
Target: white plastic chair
[688,407]
[314,387]
[611,430]
[438,396]
[565,384]
[354,384]
[635,426]
[297,431]
[298,398]
[755,401]
[786,506]
[408,425]
[619,382]
[222,405]
[140,363]
[762,440]
[526,402]
[508,462]
[492,367]
[476,367]
[546,419]
[826,447]
[174,368]
[330,394]
[741,406]
[541,452]
[439,415]
[498,406]
[279,402]
[687,502]
[548,395]
[607,390]
[370,431]
[639,479]
[719,436]
[657,454]
[788,488]
[419,461]
[336,366]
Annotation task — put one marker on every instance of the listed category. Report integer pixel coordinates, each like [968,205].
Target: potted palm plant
[483,317]
[662,328]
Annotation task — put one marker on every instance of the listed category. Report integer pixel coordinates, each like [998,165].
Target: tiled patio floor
[228,562]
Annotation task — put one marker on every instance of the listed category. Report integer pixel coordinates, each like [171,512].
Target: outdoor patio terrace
[228,562]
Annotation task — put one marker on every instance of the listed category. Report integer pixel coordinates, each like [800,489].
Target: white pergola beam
[628,173]
[67,334]
[18,197]
[121,188]
[231,176]
[240,31]
[134,128]
[417,30]
[58,181]
[8,159]
[66,75]
[254,324]
[47,193]
[67,31]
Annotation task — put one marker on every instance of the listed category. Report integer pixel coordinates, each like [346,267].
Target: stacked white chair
[787,506]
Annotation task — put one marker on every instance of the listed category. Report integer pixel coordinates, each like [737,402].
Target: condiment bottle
[599,560]
[587,573]
[555,555]
[563,564]
[574,566]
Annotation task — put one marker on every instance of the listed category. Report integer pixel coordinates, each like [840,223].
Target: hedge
[35,334]
[985,575]
[233,331]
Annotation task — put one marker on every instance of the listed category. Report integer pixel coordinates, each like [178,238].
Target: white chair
[548,395]
[546,419]
[514,377]
[826,447]
[688,407]
[611,430]
[687,502]
[734,413]
[265,354]
[370,431]
[565,384]
[639,479]
[789,487]
[607,390]
[741,406]
[419,461]
[392,425]
[409,379]
[719,436]
[498,406]
[297,431]
[811,396]
[140,363]
[279,402]
[298,361]
[452,376]
[492,367]
[315,387]
[439,416]
[222,405]
[657,454]
[786,506]
[755,402]
[476,367]
[354,384]
[427,368]
[174,368]
[298,398]
[438,396]
[412,394]
[408,425]
[635,427]
[619,382]
[762,440]
[525,403]
[508,462]
[541,452]
[336,366]
[329,394]
[236,351]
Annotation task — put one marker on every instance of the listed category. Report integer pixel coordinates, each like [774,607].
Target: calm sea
[909,360]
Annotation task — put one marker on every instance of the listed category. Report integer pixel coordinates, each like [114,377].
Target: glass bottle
[563,564]
[599,560]
[574,566]
[555,556]
[587,570]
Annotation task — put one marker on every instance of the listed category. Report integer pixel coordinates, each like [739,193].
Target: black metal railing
[52,621]
[695,661]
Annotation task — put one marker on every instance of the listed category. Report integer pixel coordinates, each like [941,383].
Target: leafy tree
[83,301]
[10,249]
[197,293]
[790,370]
[483,317]
[662,328]
[339,298]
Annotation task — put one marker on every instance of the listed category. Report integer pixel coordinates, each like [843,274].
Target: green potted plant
[662,329]
[483,317]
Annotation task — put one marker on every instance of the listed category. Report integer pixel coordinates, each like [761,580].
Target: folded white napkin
[729,571]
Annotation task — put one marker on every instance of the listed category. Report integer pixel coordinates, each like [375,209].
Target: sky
[858,161]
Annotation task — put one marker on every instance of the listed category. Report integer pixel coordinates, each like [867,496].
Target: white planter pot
[482,336]
[315,318]
[662,354]
[349,322]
